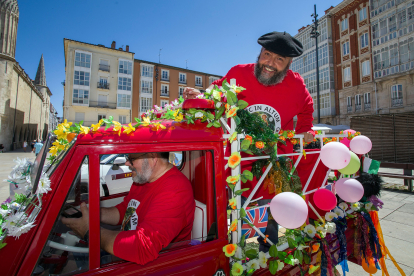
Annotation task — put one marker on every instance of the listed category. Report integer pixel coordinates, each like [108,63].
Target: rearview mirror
[119,161]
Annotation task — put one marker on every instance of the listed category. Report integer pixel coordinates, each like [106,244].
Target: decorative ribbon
[384,250]
[373,237]
[341,226]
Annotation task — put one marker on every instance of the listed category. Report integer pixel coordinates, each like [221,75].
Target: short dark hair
[165,155]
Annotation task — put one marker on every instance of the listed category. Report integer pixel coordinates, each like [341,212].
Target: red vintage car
[50,248]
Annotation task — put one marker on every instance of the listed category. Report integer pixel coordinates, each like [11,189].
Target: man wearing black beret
[278,95]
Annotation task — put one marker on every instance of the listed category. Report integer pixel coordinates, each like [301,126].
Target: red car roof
[174,132]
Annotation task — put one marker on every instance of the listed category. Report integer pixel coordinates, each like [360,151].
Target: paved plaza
[397,217]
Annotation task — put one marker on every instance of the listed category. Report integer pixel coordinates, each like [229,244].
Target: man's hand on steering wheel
[79,225]
[190,93]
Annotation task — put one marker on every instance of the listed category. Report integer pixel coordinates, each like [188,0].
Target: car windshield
[50,167]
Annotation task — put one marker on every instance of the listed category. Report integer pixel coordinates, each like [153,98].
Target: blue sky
[212,35]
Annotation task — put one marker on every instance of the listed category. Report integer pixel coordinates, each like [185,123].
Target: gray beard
[145,175]
[275,79]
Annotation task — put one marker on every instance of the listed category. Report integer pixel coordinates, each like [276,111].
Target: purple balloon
[289,210]
[335,155]
[361,144]
[349,189]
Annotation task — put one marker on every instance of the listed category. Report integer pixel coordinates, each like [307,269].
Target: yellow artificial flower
[129,129]
[179,118]
[58,145]
[237,269]
[229,249]
[117,127]
[66,124]
[95,127]
[234,160]
[84,130]
[157,126]
[146,121]
[232,112]
[53,150]
[233,203]
[61,132]
[233,179]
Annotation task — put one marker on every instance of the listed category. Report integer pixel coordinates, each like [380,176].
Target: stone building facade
[98,84]
[353,59]
[159,84]
[24,103]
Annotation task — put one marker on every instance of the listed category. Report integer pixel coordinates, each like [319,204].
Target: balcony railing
[102,104]
[397,102]
[358,107]
[165,79]
[349,108]
[367,106]
[103,85]
[199,84]
[165,93]
[104,67]
[182,81]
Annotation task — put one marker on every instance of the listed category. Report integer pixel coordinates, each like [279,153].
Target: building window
[80,96]
[163,103]
[344,24]
[101,117]
[81,78]
[147,71]
[125,67]
[164,90]
[396,91]
[164,75]
[213,79]
[124,84]
[364,40]
[183,78]
[349,101]
[366,68]
[103,83]
[79,116]
[122,119]
[367,98]
[345,48]
[198,81]
[347,74]
[83,60]
[357,99]
[102,100]
[104,65]
[146,86]
[146,104]
[181,90]
[124,100]
[363,14]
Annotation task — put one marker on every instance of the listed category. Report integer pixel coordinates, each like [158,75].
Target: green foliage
[273,251]
[298,255]
[242,241]
[251,254]
[292,243]
[240,192]
[306,258]
[273,267]
[2,244]
[242,104]
[20,198]
[246,175]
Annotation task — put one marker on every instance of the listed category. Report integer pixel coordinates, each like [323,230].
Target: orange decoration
[371,269]
[259,145]
[71,136]
[250,138]
[282,138]
[290,134]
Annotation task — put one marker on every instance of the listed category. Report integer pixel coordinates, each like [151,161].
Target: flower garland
[14,218]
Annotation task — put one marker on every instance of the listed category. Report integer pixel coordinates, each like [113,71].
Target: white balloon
[335,155]
[289,210]
[360,144]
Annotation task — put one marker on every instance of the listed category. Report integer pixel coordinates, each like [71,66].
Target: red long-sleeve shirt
[155,214]
[277,104]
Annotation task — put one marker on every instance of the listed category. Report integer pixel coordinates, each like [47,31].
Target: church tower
[9,17]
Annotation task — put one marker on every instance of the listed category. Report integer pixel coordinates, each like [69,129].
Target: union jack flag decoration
[257,217]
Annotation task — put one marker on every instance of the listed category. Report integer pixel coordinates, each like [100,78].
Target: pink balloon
[324,199]
[346,141]
[349,189]
[289,210]
[335,155]
[361,144]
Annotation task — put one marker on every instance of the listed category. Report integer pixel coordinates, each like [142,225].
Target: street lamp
[314,34]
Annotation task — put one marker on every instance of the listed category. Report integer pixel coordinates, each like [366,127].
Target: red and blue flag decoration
[257,217]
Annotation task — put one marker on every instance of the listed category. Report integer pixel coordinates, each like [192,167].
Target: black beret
[281,43]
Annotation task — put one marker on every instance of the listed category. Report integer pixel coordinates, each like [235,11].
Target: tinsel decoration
[359,241]
[341,226]
[371,182]
[326,260]
[373,238]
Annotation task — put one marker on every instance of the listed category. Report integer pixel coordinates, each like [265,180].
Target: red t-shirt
[277,105]
[155,214]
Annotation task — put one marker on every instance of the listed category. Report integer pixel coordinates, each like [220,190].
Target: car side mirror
[115,167]
[119,161]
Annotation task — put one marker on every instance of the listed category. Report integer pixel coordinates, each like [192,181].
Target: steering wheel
[69,243]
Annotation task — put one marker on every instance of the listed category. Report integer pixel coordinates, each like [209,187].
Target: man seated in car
[158,210]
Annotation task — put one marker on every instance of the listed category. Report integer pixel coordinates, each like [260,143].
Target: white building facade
[98,83]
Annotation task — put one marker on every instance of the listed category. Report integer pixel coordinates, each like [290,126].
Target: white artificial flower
[343,206]
[330,216]
[3,212]
[339,212]
[356,206]
[17,231]
[321,229]
[301,247]
[368,206]
[157,108]
[175,102]
[295,261]
[330,227]
[44,185]
[15,206]
[253,264]
[262,259]
[218,105]
[238,253]
[280,265]
[199,115]
[310,230]
[14,220]
[200,96]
